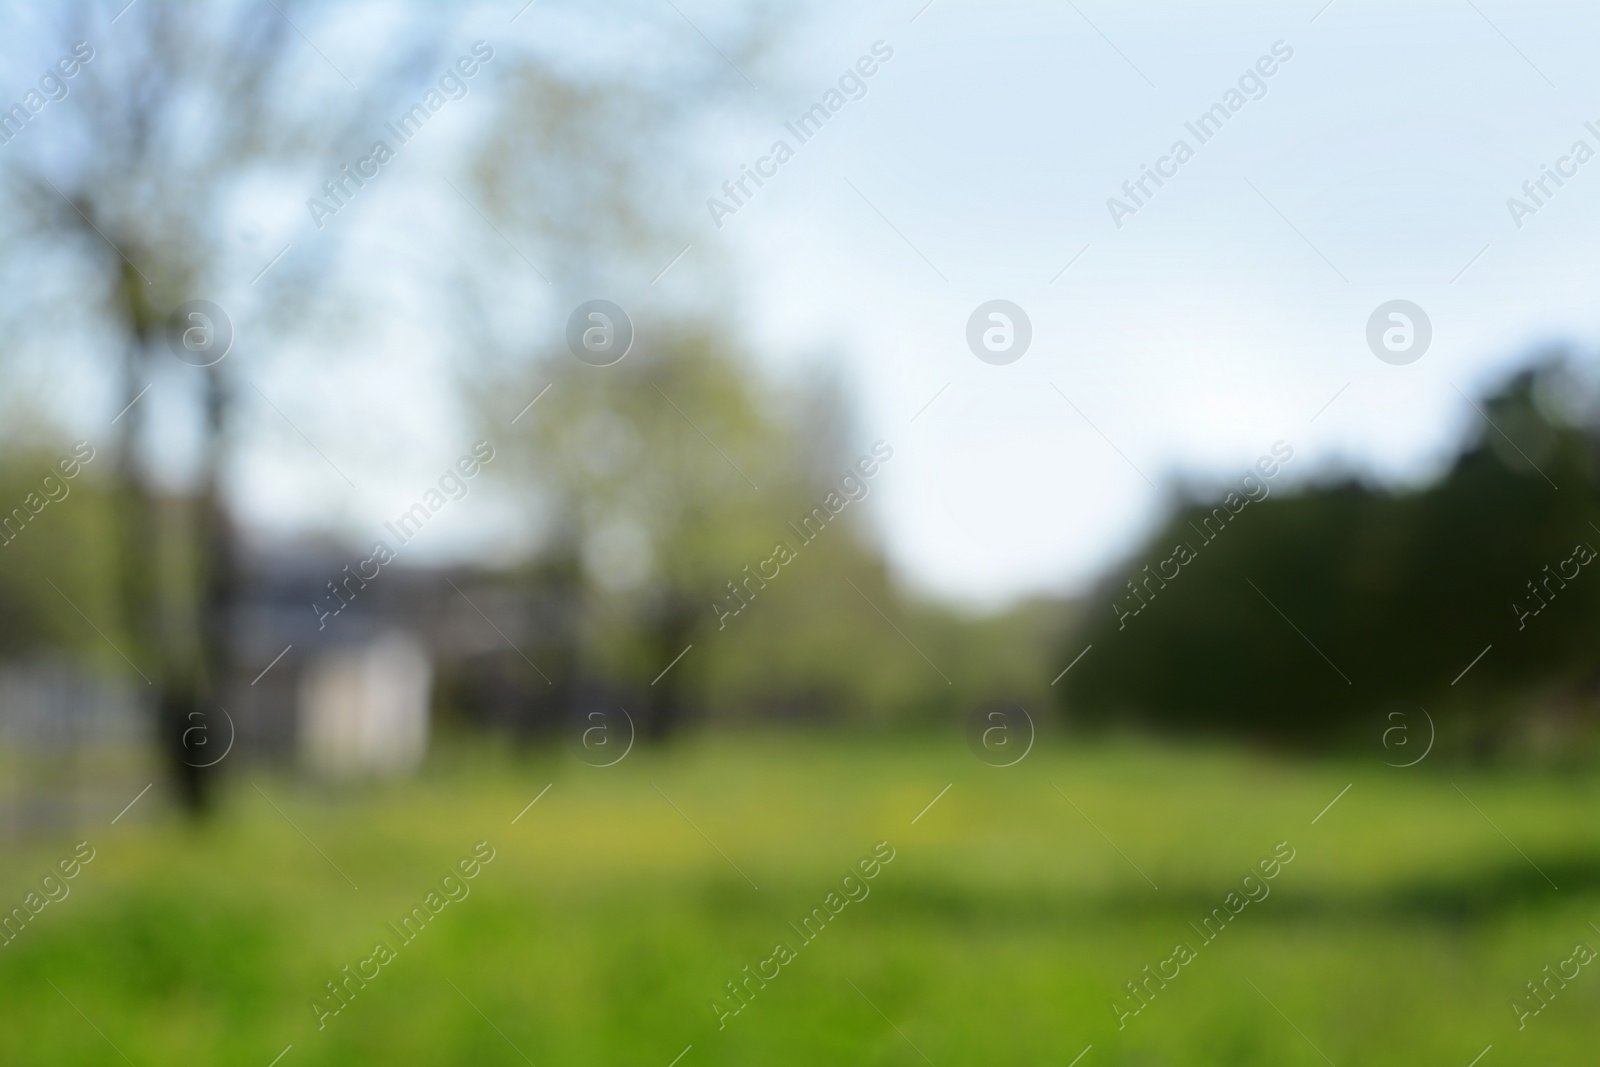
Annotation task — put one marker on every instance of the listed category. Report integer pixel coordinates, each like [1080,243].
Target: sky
[1223,315]
[1174,341]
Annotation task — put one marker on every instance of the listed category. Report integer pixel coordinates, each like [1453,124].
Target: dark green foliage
[1393,595]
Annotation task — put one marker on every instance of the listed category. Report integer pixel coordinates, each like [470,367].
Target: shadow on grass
[1458,896]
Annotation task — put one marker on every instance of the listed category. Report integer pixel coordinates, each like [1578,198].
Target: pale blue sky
[1229,310]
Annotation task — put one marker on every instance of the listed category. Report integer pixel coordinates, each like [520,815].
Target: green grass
[998,935]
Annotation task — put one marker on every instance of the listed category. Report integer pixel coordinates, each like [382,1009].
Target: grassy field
[1000,933]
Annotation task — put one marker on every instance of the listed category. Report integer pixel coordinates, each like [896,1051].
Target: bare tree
[173,111]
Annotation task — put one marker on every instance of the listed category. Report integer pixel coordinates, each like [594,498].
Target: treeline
[1313,614]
